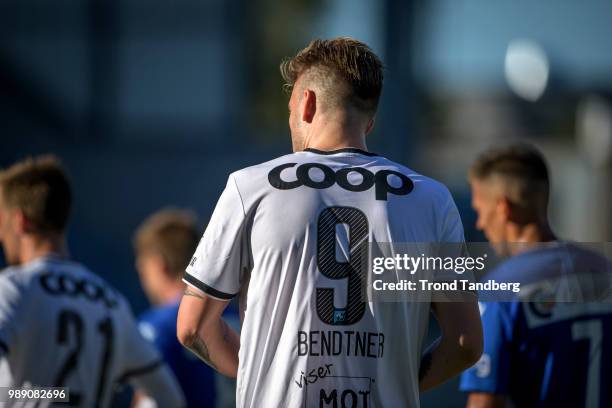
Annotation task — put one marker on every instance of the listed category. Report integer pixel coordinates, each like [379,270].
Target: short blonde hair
[348,70]
[171,233]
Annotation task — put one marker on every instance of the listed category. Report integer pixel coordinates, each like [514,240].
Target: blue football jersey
[549,353]
[197,380]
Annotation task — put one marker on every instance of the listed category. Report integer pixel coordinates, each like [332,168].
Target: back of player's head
[345,72]
[520,171]
[39,187]
[172,234]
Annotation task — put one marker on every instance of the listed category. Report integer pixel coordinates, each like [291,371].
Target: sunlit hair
[346,71]
[39,187]
[172,234]
[521,171]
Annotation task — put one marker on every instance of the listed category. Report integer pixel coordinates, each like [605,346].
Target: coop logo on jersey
[59,284]
[380,179]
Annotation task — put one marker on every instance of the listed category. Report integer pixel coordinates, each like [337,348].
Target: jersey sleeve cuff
[210,291]
[136,372]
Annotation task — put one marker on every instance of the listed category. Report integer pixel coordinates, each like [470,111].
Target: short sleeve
[10,299]
[451,244]
[450,225]
[222,255]
[491,372]
[140,356]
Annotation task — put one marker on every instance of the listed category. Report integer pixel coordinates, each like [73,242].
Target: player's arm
[459,346]
[487,382]
[201,329]
[141,364]
[486,400]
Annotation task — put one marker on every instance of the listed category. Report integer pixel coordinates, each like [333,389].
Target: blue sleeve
[154,331]
[491,373]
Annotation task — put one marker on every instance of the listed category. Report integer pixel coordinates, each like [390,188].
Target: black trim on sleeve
[140,371]
[343,150]
[207,289]
[3,347]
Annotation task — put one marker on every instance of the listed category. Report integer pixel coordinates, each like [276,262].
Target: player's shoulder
[549,260]
[19,276]
[12,282]
[426,191]
[265,167]
[425,184]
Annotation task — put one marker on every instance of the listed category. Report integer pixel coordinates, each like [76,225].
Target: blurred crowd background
[153,103]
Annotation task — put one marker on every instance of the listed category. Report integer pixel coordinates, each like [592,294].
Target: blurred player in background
[540,353]
[164,244]
[60,324]
[308,338]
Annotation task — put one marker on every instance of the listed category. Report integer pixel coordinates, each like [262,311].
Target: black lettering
[275,179]
[303,174]
[299,384]
[326,343]
[366,183]
[313,342]
[91,291]
[371,344]
[312,377]
[348,341]
[337,343]
[46,283]
[360,344]
[302,341]
[66,285]
[383,187]
[328,399]
[330,177]
[364,398]
[321,372]
[353,396]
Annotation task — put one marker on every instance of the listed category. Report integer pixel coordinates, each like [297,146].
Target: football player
[290,236]
[60,324]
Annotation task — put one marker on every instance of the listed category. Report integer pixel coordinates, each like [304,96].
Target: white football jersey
[63,326]
[290,236]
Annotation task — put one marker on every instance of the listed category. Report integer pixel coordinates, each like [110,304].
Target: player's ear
[21,222]
[370,125]
[504,208]
[309,105]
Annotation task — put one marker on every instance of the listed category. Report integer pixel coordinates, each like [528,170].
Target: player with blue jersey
[163,246]
[551,347]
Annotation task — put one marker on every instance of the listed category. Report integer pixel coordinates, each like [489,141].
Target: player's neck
[335,141]
[336,133]
[34,247]
[531,234]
